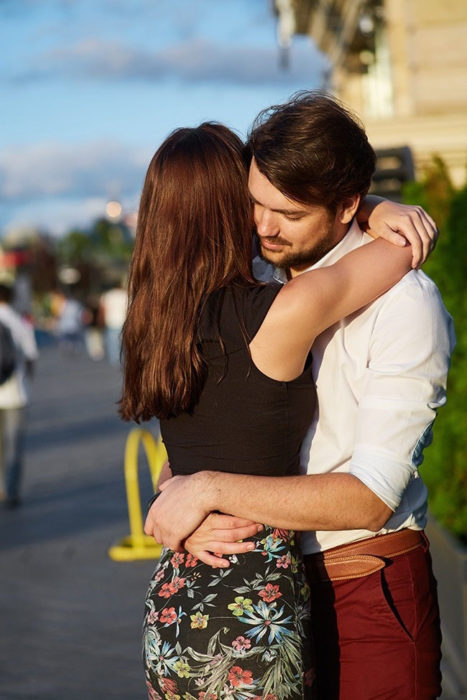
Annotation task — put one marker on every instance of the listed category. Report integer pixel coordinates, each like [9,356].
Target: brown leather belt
[362,558]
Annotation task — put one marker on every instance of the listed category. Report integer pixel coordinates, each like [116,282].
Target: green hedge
[444,469]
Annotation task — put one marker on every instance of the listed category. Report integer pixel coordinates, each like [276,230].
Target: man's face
[291,234]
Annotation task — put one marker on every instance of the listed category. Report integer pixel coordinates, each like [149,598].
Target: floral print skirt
[239,633]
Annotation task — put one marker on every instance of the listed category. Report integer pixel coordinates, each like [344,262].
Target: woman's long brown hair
[193,237]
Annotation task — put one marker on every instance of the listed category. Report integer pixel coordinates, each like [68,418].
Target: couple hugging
[296,374]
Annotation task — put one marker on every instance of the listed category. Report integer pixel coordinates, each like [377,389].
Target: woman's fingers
[393,237]
[210,543]
[402,223]
[416,236]
[237,533]
[429,223]
[226,528]
[215,544]
[426,229]
[220,521]
[233,548]
[212,554]
[217,562]
[421,232]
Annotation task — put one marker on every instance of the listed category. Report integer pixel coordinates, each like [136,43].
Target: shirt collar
[352,239]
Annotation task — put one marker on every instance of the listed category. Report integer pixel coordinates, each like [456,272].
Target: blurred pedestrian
[70,326]
[14,395]
[114,305]
[93,319]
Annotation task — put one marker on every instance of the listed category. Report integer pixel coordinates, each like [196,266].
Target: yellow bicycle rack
[137,545]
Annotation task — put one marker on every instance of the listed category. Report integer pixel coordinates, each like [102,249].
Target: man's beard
[302,259]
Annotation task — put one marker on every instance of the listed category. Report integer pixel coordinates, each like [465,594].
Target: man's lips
[272,243]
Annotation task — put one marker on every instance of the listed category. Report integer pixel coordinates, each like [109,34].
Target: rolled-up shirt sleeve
[405,384]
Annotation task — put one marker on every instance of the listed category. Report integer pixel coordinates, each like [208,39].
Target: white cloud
[102,168]
[193,60]
[55,187]
[56,216]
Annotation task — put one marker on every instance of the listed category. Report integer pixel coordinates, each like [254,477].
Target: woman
[199,356]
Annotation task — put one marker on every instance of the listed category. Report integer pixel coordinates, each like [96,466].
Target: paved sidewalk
[70,618]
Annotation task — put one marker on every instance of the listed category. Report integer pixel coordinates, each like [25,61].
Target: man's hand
[399,224]
[178,510]
[221,534]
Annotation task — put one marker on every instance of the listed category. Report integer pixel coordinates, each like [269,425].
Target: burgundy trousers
[378,637]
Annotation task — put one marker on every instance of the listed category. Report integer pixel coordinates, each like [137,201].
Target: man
[14,395]
[381,375]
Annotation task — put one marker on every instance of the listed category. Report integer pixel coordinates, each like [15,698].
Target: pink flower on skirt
[241,643]
[283,562]
[177,559]
[152,694]
[153,616]
[159,576]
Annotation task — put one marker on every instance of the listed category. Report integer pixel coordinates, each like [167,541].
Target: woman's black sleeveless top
[244,421]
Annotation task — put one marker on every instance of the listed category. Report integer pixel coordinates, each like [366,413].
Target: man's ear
[347,209]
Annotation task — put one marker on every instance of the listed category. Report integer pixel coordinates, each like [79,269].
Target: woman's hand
[399,224]
[221,534]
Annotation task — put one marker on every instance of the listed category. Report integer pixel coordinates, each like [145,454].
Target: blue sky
[89,88]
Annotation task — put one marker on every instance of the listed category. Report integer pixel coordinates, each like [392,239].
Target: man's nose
[266,222]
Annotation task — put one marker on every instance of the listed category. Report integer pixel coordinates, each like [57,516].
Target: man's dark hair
[312,149]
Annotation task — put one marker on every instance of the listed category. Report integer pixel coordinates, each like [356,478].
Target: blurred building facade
[401,65]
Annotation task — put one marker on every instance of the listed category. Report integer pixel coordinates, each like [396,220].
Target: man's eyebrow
[287,212]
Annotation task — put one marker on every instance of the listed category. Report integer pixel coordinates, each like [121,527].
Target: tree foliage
[445,467]
[101,254]
[104,240]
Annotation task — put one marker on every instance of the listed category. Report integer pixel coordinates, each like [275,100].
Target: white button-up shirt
[380,377]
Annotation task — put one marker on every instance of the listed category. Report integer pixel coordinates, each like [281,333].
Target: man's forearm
[312,502]
[315,502]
